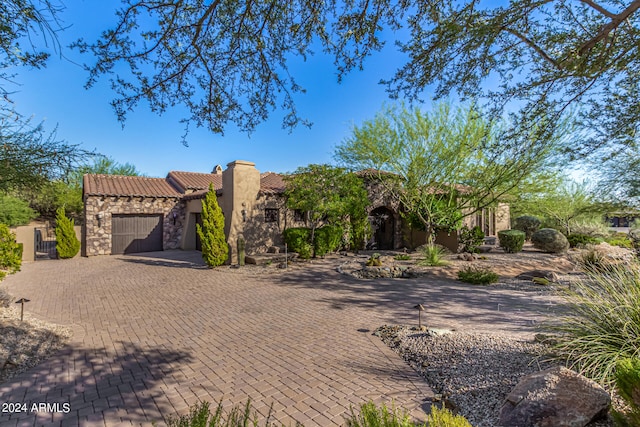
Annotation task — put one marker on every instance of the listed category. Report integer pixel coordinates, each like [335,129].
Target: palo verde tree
[564,205]
[328,194]
[444,164]
[214,246]
[227,61]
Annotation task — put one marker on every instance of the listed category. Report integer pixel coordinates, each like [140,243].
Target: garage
[136,233]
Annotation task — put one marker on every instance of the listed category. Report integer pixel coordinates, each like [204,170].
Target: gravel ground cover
[470,373]
[24,344]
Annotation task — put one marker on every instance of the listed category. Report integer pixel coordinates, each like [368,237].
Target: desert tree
[444,164]
[328,194]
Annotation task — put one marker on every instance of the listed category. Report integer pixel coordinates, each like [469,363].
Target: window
[271,215]
[299,215]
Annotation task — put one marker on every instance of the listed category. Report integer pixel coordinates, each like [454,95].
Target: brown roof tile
[118,185]
[271,183]
[195,180]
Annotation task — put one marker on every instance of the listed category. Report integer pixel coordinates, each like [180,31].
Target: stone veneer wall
[97,239]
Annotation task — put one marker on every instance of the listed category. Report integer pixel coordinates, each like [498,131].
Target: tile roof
[195,180]
[118,185]
[188,185]
[271,183]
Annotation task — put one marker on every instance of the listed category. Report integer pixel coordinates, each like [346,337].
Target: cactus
[240,243]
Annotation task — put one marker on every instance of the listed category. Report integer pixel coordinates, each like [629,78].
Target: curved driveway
[156,333]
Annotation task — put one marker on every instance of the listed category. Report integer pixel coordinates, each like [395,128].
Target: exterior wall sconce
[100,217]
[175,215]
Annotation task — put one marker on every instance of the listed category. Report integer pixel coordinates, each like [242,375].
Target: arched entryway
[383,225]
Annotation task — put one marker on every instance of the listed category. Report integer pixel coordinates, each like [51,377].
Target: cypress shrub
[511,240]
[215,251]
[298,240]
[67,244]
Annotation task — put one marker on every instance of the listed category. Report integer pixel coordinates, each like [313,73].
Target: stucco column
[240,187]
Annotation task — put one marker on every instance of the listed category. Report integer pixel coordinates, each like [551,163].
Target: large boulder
[555,397]
[549,240]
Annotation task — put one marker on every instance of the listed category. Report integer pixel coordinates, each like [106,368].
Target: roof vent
[217,170]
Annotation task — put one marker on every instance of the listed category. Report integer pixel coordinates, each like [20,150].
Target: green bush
[372,416]
[442,417]
[470,239]
[628,385]
[549,240]
[402,257]
[374,260]
[601,325]
[478,276]
[511,240]
[67,244]
[622,242]
[369,415]
[10,252]
[297,240]
[215,250]
[527,224]
[580,240]
[14,211]
[327,239]
[433,255]
[201,416]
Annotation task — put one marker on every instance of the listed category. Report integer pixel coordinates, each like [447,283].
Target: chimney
[240,187]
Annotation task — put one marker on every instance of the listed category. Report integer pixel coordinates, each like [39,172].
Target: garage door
[136,233]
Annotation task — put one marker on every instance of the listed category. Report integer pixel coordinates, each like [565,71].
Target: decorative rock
[555,397]
[466,256]
[273,250]
[551,276]
[549,240]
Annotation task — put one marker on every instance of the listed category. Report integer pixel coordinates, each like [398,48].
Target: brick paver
[156,333]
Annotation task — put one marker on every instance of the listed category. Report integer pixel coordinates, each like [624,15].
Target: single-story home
[128,214]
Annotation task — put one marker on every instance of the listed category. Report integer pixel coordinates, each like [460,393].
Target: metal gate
[45,242]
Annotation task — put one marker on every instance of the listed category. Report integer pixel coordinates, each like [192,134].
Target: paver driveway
[156,333]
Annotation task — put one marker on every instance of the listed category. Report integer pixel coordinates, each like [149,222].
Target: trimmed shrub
[297,240]
[67,244]
[478,276]
[470,239]
[527,224]
[10,252]
[215,250]
[511,240]
[550,240]
[577,240]
[327,239]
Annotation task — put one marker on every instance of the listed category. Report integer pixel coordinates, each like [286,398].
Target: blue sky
[56,95]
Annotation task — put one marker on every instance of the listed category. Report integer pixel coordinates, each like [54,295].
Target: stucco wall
[98,212]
